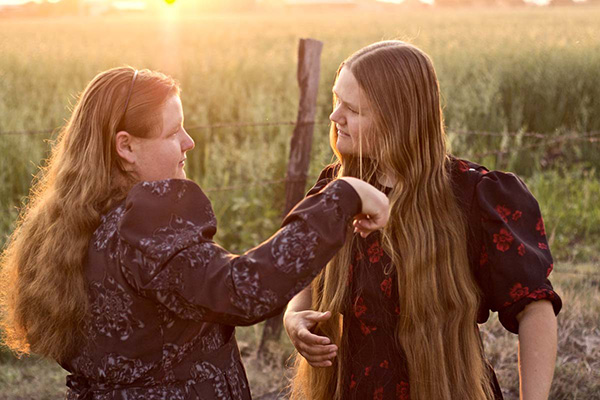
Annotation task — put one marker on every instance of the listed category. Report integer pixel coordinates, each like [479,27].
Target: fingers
[320,363]
[365,225]
[317,350]
[315,316]
[317,355]
[311,339]
[314,344]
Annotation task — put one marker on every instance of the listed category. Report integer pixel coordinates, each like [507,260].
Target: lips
[341,132]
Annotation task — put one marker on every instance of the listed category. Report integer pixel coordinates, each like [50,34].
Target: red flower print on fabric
[378,394]
[463,166]
[503,212]
[397,310]
[503,240]
[543,246]
[550,268]
[359,255]
[521,249]
[518,291]
[542,293]
[516,215]
[402,391]
[540,227]
[386,287]
[385,364]
[367,371]
[359,307]
[352,382]
[483,259]
[366,330]
[375,252]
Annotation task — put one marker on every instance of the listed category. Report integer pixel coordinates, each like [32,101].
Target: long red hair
[43,297]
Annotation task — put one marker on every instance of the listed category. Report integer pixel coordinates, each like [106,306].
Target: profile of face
[162,155]
[352,115]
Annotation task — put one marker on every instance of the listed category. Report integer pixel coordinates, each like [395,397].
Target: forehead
[347,89]
[172,112]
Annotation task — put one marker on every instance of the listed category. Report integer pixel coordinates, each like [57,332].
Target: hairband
[130,90]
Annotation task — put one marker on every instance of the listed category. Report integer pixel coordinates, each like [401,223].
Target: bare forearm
[537,350]
[302,301]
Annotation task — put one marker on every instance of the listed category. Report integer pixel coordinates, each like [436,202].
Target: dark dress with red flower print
[508,253]
[164,297]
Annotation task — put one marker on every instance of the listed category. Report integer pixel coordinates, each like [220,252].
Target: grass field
[577,374]
[501,71]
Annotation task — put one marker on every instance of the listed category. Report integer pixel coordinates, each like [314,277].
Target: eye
[353,111]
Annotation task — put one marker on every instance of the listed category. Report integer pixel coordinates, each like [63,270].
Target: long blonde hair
[43,296]
[425,237]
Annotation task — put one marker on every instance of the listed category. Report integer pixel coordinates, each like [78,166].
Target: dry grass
[577,374]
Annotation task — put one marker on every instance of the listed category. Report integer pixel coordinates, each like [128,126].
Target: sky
[18,2]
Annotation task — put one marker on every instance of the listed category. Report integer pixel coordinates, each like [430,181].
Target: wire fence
[548,140]
[250,124]
[544,139]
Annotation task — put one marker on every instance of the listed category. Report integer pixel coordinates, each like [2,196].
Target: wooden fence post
[309,69]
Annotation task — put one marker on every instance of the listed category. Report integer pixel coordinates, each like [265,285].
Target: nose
[337,116]
[188,143]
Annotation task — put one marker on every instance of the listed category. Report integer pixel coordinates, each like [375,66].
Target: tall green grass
[500,71]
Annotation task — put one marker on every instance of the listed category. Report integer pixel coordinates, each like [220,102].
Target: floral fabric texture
[164,297]
[508,254]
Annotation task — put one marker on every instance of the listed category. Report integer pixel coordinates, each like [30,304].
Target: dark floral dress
[508,253]
[164,298]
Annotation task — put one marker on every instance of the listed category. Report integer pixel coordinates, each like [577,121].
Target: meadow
[507,73]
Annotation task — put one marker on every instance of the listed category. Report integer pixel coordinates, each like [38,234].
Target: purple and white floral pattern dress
[164,297]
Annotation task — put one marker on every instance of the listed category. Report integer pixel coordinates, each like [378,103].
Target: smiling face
[162,156]
[352,117]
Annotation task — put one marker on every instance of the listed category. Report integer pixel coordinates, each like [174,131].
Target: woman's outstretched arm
[167,252]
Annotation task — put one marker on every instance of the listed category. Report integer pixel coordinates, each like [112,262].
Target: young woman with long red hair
[112,270]
[394,315]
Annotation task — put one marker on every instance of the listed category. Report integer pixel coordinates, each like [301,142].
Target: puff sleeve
[168,255]
[515,259]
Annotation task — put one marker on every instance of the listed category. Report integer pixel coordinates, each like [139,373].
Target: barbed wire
[252,124]
[592,137]
[219,125]
[248,185]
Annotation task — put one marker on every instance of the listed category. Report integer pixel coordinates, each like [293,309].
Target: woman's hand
[375,207]
[317,350]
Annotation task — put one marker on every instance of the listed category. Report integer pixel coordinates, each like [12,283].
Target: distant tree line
[79,7]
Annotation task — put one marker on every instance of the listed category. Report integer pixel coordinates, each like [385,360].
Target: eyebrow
[352,106]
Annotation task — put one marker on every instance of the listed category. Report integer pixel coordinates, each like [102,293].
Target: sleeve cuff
[508,315]
[350,202]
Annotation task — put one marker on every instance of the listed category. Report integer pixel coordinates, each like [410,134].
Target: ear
[124,146]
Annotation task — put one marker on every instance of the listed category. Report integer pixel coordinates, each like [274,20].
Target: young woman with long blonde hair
[394,315]
[112,270]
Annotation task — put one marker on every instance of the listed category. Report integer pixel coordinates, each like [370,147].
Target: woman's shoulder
[482,179]
[174,205]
